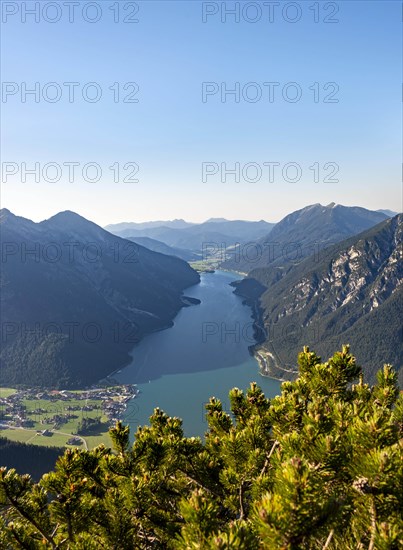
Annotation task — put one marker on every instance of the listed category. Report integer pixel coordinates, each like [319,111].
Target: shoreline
[267,363]
[186,301]
[269,368]
[241,273]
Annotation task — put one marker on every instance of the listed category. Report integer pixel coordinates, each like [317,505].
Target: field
[6,392]
[209,264]
[59,408]
[57,416]
[204,266]
[24,435]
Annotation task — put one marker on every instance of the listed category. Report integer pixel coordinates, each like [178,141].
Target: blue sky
[170,132]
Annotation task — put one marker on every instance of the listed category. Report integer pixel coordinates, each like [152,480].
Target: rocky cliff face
[352,288]
[368,272]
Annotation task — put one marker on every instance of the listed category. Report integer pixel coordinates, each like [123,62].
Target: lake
[204,354]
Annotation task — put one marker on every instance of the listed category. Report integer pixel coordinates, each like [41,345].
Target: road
[35,434]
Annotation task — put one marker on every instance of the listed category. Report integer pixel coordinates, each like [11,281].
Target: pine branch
[329,538]
[26,516]
[241,504]
[55,530]
[69,528]
[267,461]
[20,542]
[199,484]
[373,525]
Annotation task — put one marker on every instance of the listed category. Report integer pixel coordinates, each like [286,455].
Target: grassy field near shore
[24,435]
[204,266]
[6,392]
[59,418]
[28,435]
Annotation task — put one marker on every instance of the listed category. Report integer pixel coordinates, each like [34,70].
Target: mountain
[389,213]
[75,299]
[303,233]
[194,239]
[162,248]
[243,230]
[124,228]
[198,237]
[352,293]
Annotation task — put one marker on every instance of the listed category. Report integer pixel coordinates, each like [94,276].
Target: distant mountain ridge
[303,233]
[390,213]
[162,248]
[75,299]
[196,237]
[352,293]
[117,228]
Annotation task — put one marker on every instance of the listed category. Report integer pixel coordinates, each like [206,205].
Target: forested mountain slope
[352,293]
[76,298]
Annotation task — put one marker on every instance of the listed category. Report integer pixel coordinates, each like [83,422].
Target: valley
[232,326]
[205,353]
[201,282]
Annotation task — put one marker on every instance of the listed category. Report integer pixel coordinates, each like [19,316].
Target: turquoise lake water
[204,354]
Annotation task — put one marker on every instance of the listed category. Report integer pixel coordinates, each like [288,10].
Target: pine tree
[318,467]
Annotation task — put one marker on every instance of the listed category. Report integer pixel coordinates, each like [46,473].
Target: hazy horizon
[199,109]
[199,221]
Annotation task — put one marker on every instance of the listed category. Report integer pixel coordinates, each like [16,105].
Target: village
[72,413]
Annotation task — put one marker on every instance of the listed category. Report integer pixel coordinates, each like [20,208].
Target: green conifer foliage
[318,467]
